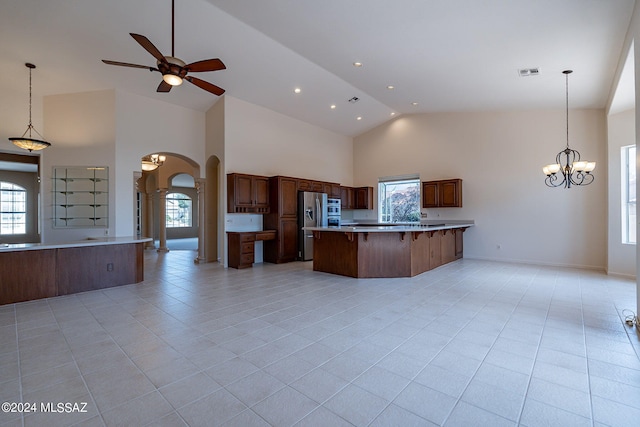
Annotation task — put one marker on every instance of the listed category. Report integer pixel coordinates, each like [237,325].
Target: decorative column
[148,223]
[200,188]
[162,219]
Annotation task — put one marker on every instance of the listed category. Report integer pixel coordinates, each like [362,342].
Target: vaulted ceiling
[439,55]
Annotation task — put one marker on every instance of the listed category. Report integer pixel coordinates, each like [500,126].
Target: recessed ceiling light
[393,113]
[297,90]
[333,106]
[359,118]
[414,103]
[390,87]
[357,64]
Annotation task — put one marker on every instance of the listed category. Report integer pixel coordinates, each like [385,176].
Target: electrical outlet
[110,266]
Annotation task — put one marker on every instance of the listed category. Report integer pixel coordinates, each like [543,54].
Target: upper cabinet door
[261,191]
[451,193]
[442,194]
[247,193]
[430,194]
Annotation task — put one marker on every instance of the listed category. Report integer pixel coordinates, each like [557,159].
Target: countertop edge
[98,241]
[389,229]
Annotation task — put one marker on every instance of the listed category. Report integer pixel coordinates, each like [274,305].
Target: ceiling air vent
[354,100]
[524,72]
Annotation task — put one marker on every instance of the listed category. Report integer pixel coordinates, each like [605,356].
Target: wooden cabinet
[346,197]
[430,194]
[241,249]
[308,185]
[356,198]
[364,198]
[442,194]
[241,246]
[283,218]
[247,193]
[448,246]
[435,257]
[459,240]
[332,190]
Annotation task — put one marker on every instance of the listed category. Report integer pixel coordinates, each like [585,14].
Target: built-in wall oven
[333,212]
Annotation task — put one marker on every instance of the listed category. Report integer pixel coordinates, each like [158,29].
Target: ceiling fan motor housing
[173,66]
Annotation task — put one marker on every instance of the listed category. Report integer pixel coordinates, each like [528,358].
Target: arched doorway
[172,204]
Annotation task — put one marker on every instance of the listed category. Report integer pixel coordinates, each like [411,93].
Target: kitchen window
[628,155]
[399,199]
[13,209]
[179,210]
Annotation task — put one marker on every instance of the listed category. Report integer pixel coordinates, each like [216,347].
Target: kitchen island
[367,251]
[30,271]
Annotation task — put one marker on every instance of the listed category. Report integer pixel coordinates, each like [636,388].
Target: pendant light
[573,170]
[29,143]
[152,162]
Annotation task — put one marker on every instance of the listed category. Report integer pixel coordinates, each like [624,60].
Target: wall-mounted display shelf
[81,197]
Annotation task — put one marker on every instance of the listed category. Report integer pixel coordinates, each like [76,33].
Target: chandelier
[152,162]
[25,142]
[568,169]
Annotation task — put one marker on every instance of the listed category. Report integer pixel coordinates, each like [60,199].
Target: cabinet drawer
[247,248]
[246,259]
[265,235]
[248,237]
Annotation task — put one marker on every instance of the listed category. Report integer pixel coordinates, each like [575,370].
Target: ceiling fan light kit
[174,70]
[27,142]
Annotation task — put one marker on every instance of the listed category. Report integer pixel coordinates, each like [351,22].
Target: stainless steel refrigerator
[312,212]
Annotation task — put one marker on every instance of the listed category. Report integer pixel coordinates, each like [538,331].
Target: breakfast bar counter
[368,251]
[32,271]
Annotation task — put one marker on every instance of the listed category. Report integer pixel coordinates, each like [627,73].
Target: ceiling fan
[174,70]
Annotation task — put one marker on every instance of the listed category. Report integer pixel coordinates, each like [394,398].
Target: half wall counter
[368,251]
[31,271]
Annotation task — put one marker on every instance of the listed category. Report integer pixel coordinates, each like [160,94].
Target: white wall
[145,126]
[259,141]
[81,130]
[499,156]
[115,129]
[621,132]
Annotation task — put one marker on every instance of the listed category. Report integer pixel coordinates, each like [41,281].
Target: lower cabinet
[241,249]
[448,246]
[241,246]
[435,252]
[285,247]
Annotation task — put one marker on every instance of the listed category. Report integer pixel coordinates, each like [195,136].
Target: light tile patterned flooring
[472,343]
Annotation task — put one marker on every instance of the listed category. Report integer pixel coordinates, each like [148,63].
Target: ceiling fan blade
[126,64]
[209,87]
[206,65]
[164,87]
[149,47]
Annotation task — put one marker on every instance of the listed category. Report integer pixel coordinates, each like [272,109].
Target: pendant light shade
[24,141]
[568,169]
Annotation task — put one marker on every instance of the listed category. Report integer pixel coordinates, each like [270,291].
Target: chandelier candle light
[25,142]
[574,171]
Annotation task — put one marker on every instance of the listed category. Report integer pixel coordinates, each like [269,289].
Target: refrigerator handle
[318,213]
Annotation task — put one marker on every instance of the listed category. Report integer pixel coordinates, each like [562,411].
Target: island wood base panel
[392,254]
[45,273]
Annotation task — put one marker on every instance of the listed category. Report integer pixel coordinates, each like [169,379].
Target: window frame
[185,197]
[628,196]
[15,189]
[382,195]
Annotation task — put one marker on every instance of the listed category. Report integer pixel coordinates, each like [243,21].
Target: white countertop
[403,228]
[97,241]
